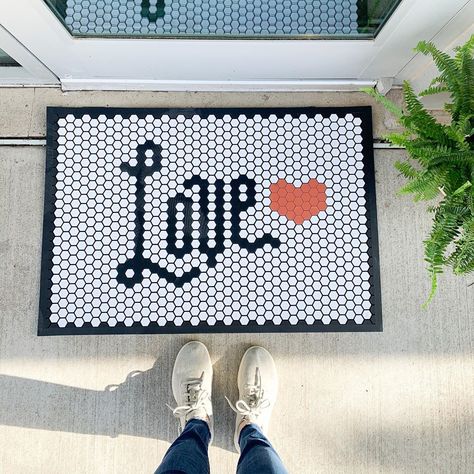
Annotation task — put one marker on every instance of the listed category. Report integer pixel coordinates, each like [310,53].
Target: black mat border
[46,328]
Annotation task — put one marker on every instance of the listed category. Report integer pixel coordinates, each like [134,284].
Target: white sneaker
[258,386]
[192,385]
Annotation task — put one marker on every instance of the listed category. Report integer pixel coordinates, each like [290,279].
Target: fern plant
[441,158]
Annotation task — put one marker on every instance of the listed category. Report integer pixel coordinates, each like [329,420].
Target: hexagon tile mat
[209,220]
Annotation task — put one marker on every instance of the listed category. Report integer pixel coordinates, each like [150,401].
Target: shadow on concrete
[135,406]
[128,408]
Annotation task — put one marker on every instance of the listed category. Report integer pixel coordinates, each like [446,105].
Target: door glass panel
[313,19]
[6,60]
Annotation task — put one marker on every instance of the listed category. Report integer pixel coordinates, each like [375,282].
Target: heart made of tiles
[298,204]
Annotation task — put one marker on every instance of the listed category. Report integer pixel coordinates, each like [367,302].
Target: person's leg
[188,454]
[192,385]
[258,385]
[257,455]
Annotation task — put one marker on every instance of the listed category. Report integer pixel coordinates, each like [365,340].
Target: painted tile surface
[209,220]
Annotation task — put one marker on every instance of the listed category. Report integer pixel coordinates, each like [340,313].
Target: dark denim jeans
[188,454]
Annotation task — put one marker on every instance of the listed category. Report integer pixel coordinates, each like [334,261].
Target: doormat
[209,220]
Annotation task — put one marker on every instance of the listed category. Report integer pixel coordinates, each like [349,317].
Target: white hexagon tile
[209,220]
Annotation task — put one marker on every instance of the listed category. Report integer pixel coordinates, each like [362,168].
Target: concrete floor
[393,402]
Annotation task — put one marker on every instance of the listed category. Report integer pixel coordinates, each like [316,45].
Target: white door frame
[31,70]
[186,64]
[421,69]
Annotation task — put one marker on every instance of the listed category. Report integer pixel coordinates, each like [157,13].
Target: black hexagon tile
[209,220]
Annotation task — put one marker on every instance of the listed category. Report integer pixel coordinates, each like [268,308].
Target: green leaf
[387,103]
[433,90]
[406,169]
[453,158]
[446,227]
[426,185]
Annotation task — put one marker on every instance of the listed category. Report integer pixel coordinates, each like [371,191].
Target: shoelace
[255,401]
[196,395]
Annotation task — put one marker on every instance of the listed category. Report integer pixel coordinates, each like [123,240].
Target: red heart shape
[298,204]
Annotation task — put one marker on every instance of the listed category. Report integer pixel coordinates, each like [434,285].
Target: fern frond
[433,90]
[420,121]
[446,228]
[446,65]
[462,259]
[387,103]
[457,134]
[454,157]
[426,185]
[438,80]
[466,80]
[468,46]
[425,151]
[406,169]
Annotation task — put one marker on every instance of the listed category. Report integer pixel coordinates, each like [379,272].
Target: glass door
[224,19]
[7,61]
[228,44]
